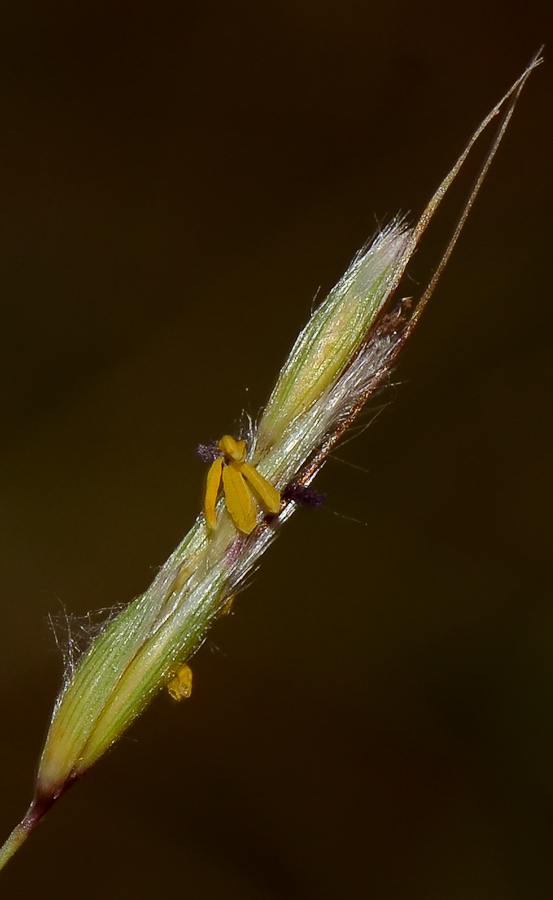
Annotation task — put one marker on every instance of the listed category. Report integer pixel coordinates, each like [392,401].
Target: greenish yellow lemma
[341,356]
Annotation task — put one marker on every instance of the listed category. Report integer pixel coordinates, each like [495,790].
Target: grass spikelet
[339,359]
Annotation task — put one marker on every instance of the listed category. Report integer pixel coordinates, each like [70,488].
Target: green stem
[21,832]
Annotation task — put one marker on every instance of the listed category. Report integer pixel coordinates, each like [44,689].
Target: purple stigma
[208,452]
[304,496]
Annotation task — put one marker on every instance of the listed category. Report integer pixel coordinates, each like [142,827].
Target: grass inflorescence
[341,357]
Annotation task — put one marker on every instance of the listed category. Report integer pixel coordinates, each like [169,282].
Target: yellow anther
[180,686]
[238,478]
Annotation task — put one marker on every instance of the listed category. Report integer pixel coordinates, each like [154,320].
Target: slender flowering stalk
[340,358]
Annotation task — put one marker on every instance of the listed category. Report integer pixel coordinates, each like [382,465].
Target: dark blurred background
[178,181]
